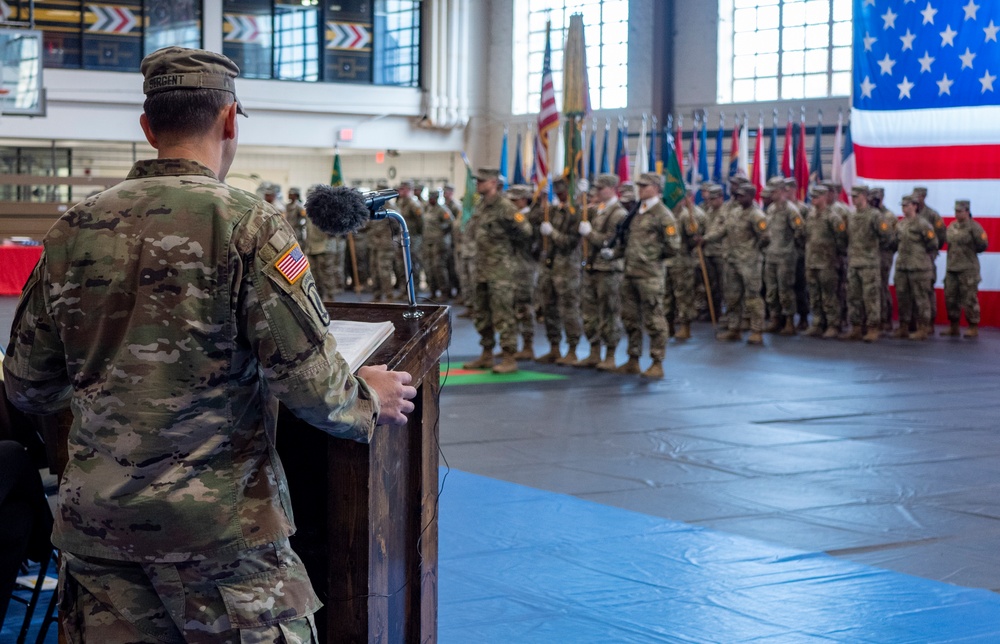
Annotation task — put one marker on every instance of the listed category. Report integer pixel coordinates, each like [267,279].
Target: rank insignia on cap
[293,264]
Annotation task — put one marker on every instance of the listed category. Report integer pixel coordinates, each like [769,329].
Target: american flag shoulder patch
[293,264]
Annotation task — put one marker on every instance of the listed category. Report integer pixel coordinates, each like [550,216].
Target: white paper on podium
[357,341]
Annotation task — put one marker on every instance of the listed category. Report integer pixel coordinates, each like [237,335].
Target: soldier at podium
[174,340]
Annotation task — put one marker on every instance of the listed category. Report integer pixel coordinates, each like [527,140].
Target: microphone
[341,210]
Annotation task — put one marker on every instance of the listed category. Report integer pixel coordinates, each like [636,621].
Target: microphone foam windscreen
[336,211]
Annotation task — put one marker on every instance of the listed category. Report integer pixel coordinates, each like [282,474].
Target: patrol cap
[877,192]
[790,182]
[920,191]
[485,174]
[860,189]
[907,199]
[818,189]
[775,182]
[746,190]
[406,183]
[520,191]
[737,179]
[962,204]
[606,181]
[832,186]
[174,68]
[715,190]
[269,188]
[294,191]
[381,184]
[650,179]
[448,186]
[767,191]
[626,191]
[559,184]
[707,186]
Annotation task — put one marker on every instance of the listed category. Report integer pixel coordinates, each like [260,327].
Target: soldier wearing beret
[914,272]
[826,242]
[499,230]
[559,277]
[966,239]
[651,237]
[173,498]
[867,233]
[602,279]
[745,235]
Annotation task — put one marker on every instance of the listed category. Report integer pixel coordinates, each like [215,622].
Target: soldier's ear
[144,124]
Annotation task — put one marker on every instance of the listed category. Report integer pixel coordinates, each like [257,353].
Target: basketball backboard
[21,72]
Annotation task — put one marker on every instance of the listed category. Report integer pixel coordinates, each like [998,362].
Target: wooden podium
[367,514]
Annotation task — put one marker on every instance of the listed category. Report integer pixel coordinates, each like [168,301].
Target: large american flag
[926,112]
[548,115]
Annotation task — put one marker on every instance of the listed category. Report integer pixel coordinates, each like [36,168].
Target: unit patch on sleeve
[293,264]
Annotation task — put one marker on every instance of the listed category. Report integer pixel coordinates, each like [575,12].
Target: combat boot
[951,332]
[755,337]
[507,363]
[920,333]
[814,331]
[872,335]
[683,332]
[570,359]
[484,361]
[901,333]
[655,371]
[630,368]
[831,333]
[728,336]
[528,352]
[594,358]
[972,331]
[853,334]
[551,356]
[773,325]
[608,364]
[789,328]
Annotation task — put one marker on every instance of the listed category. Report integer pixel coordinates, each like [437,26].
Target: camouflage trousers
[779,282]
[382,258]
[678,293]
[801,288]
[911,291]
[743,299]
[601,306]
[524,299]
[961,291]
[324,271]
[465,264]
[434,268]
[493,313]
[864,295]
[559,297]
[823,284]
[258,595]
[642,308]
[399,266]
[885,268]
[715,266]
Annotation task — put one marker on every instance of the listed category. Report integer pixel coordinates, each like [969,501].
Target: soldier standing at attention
[454,237]
[932,217]
[498,230]
[524,279]
[650,238]
[171,517]
[867,232]
[784,221]
[966,239]
[382,251]
[602,279]
[745,236]
[914,269]
[295,212]
[409,207]
[559,277]
[683,268]
[826,241]
[321,261]
[437,224]
[886,255]
[714,262]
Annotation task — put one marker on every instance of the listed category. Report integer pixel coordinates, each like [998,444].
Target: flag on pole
[548,114]
[641,153]
[576,101]
[802,163]
[848,167]
[469,198]
[720,138]
[605,163]
[693,172]
[744,164]
[654,164]
[667,145]
[592,155]
[673,184]
[734,154]
[679,145]
[336,176]
[757,171]
[504,165]
[621,160]
[788,159]
[838,149]
[518,174]
[772,153]
[817,158]
[703,153]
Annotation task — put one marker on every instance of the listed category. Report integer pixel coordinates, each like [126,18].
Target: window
[397,42]
[606,37]
[296,41]
[784,49]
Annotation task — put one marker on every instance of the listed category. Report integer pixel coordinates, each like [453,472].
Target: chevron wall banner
[246,28]
[111,19]
[352,36]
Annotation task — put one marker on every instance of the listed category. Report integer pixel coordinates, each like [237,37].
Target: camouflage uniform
[867,232]
[961,282]
[323,262]
[715,264]
[679,286]
[887,253]
[601,302]
[412,213]
[382,252]
[526,278]
[498,229]
[932,217]
[651,238]
[295,214]
[914,271]
[744,235]
[437,224]
[454,237]
[559,277]
[787,233]
[826,242]
[172,477]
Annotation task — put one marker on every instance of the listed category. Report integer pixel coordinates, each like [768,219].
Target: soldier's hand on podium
[394,393]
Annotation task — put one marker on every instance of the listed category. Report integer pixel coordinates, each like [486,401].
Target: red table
[16,263]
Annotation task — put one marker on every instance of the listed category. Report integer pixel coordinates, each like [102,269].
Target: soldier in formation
[781,257]
[684,268]
[437,232]
[559,276]
[526,256]
[966,239]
